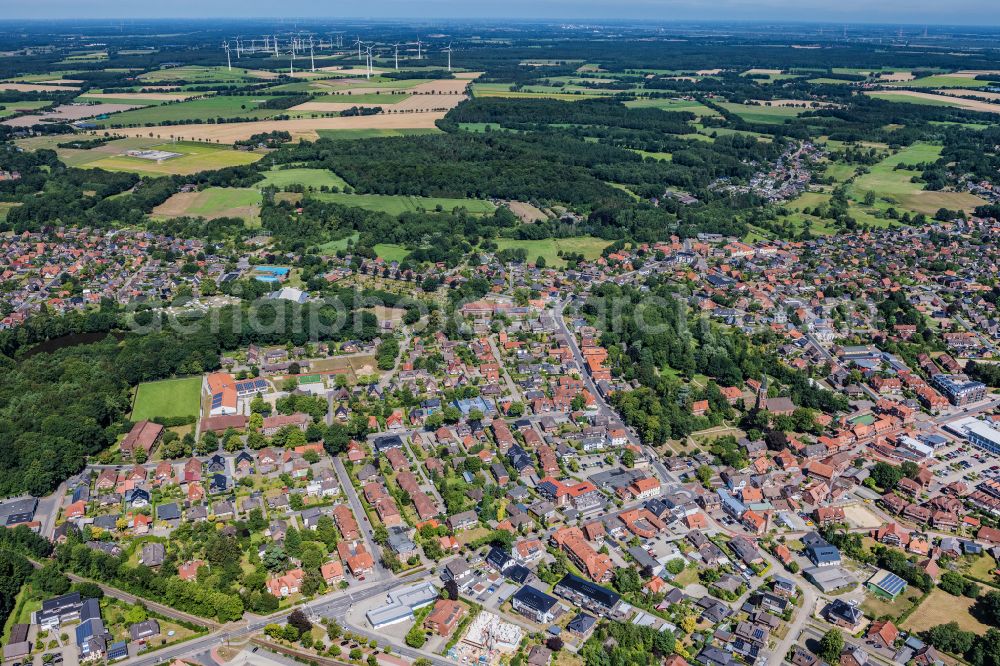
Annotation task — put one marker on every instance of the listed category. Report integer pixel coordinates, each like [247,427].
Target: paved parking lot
[964,462]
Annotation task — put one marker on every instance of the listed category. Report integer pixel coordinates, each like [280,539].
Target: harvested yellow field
[301,128]
[973,73]
[440,87]
[896,76]
[428,103]
[33,87]
[760,70]
[708,72]
[970,104]
[351,71]
[965,92]
[468,76]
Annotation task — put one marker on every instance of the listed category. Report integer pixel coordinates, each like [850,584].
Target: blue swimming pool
[272,270]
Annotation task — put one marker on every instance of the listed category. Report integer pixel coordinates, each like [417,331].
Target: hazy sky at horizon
[955,12]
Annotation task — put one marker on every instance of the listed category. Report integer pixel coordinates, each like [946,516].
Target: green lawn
[396,204]
[391,252]
[315,178]
[5,207]
[549,248]
[170,397]
[333,246]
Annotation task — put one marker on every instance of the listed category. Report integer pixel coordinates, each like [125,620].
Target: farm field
[362,98]
[8,109]
[351,134]
[933,99]
[196,74]
[301,128]
[201,109]
[195,157]
[503,90]
[942,81]
[895,186]
[762,114]
[213,202]
[589,246]
[940,608]
[672,105]
[167,398]
[396,204]
[315,178]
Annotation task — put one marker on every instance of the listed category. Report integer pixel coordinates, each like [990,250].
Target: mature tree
[831,645]
[299,620]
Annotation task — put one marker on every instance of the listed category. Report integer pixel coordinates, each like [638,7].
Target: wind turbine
[418,48]
[312,58]
[237,48]
[267,43]
[291,62]
[357,42]
[275,46]
[396,48]
[448,51]
[368,50]
[229,62]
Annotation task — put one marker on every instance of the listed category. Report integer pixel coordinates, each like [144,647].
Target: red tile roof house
[144,435]
[287,584]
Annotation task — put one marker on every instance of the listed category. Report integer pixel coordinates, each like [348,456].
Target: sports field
[214,202]
[194,157]
[886,182]
[167,398]
[549,248]
[396,204]
[315,178]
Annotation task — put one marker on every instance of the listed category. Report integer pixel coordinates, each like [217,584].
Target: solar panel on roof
[892,584]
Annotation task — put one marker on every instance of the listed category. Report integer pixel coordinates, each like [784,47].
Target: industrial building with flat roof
[401,604]
[980,433]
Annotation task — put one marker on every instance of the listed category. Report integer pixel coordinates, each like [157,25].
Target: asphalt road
[359,514]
